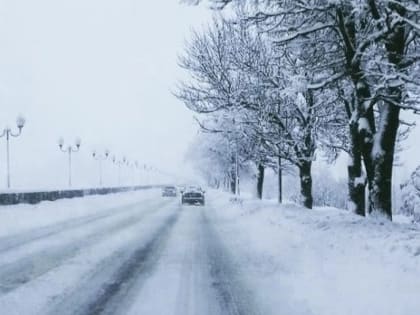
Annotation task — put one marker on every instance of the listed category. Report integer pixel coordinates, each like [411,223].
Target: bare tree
[234,70]
[371,48]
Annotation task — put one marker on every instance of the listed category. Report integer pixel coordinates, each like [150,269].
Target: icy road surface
[141,254]
[150,257]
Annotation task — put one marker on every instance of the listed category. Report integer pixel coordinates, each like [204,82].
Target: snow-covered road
[139,253]
[151,257]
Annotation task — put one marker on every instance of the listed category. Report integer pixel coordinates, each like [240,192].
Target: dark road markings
[233,296]
[20,272]
[141,262]
[12,242]
[104,291]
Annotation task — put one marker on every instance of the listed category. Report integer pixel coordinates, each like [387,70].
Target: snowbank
[17,218]
[323,261]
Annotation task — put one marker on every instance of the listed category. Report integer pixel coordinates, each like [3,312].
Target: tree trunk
[306,183]
[367,147]
[386,137]
[260,180]
[280,180]
[377,146]
[356,181]
[383,155]
[364,135]
[361,138]
[232,181]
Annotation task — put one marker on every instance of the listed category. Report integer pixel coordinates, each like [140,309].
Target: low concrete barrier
[14,198]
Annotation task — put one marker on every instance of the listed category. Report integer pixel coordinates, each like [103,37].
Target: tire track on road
[104,291]
[233,296]
[194,295]
[24,270]
[8,243]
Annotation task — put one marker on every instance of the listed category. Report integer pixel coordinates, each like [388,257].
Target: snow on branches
[411,196]
[307,61]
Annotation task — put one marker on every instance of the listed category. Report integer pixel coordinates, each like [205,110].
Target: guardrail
[34,197]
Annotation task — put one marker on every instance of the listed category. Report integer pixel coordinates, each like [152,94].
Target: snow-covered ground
[16,218]
[139,253]
[322,261]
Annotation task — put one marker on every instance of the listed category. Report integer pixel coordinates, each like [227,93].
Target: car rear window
[193,195]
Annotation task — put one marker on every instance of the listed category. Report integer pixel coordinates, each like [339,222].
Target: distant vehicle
[169,191]
[193,196]
[195,188]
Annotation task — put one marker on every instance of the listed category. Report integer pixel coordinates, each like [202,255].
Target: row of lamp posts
[69,149]
[98,156]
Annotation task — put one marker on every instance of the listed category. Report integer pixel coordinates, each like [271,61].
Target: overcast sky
[98,69]
[102,70]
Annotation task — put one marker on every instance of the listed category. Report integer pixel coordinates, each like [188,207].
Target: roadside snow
[74,276]
[323,261]
[290,260]
[18,218]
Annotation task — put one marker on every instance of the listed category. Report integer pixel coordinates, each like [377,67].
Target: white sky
[101,70]
[98,69]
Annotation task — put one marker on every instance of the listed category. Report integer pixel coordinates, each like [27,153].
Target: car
[169,191]
[193,197]
[195,188]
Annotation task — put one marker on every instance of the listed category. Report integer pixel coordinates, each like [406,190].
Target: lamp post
[7,132]
[69,150]
[133,165]
[146,174]
[119,163]
[100,158]
[138,168]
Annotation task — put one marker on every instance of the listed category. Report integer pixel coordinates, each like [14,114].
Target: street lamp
[69,150]
[100,158]
[136,172]
[119,163]
[7,132]
[137,166]
[147,169]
